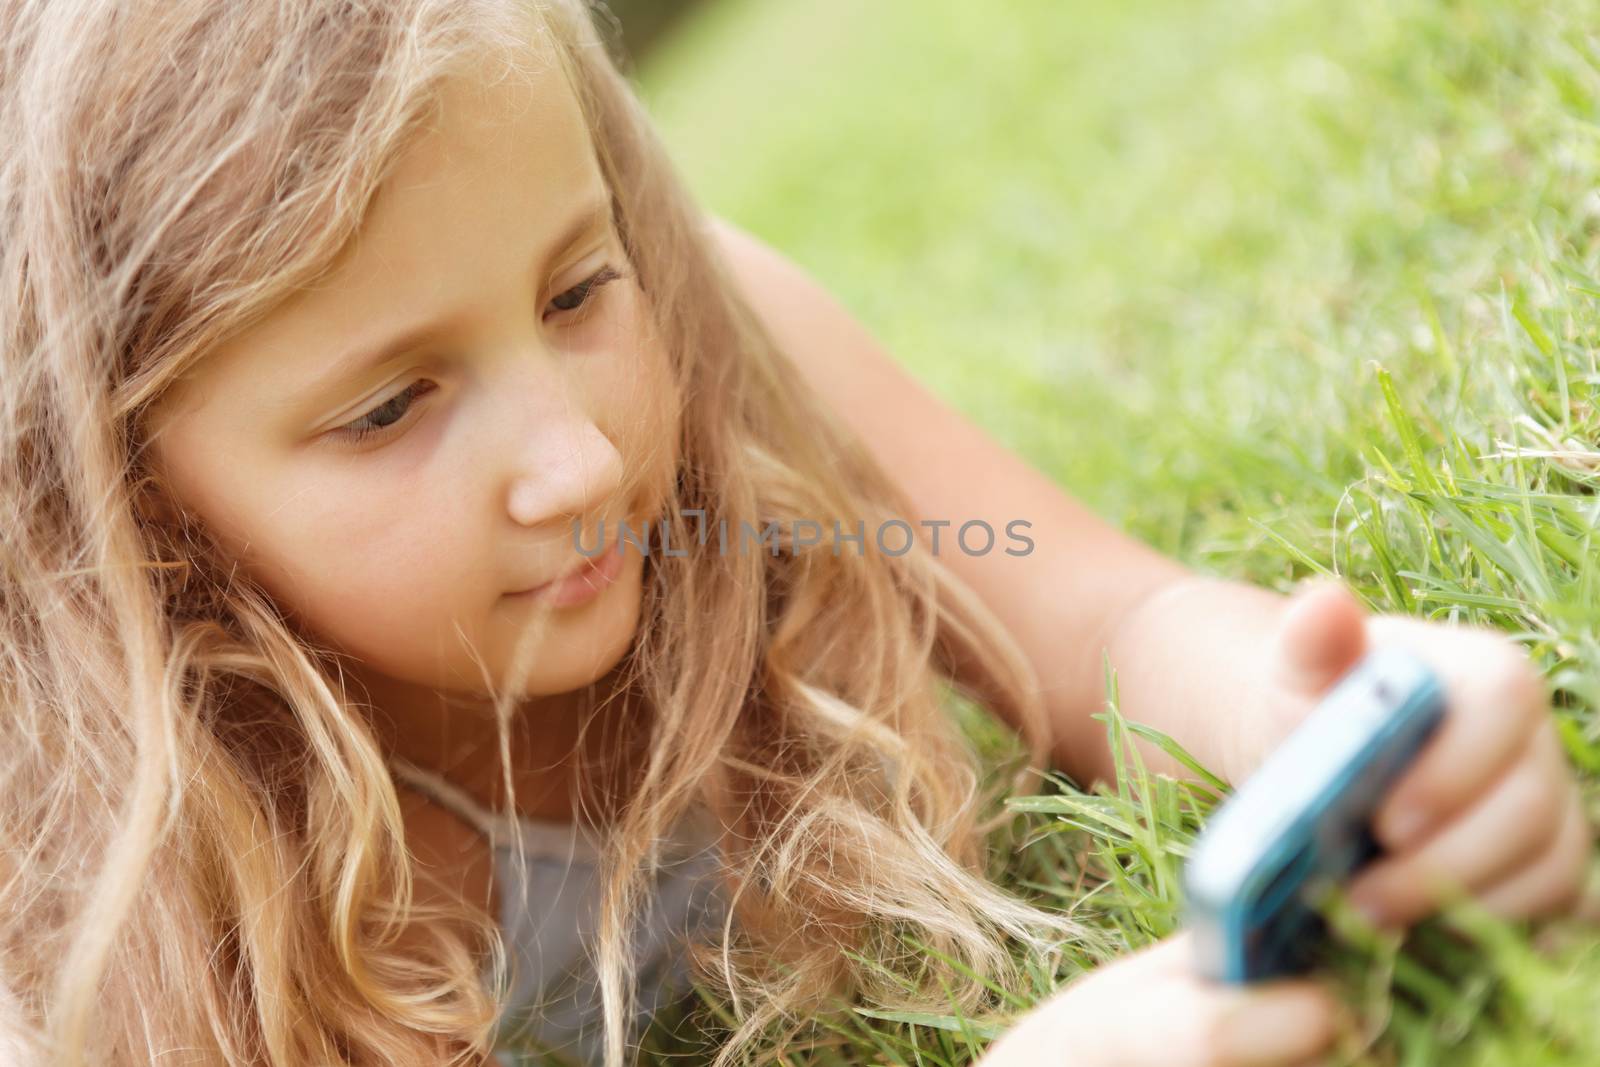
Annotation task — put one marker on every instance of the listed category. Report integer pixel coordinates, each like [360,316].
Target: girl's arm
[1085,586]
[1226,668]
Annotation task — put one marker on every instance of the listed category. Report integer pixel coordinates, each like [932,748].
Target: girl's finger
[1172,955]
[1495,700]
[1513,824]
[1277,1023]
[1149,1009]
[1553,884]
[1320,636]
[1188,1022]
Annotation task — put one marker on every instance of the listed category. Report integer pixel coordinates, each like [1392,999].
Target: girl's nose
[570,475]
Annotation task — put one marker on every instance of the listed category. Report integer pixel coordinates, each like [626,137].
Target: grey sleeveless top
[549,918]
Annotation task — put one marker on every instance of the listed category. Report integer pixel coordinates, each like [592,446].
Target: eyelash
[358,430]
[585,288]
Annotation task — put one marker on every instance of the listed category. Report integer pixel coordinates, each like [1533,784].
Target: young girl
[442,567]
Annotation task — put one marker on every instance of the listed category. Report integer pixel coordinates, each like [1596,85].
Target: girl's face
[394,451]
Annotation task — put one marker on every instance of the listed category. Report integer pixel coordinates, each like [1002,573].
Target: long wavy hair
[202,851]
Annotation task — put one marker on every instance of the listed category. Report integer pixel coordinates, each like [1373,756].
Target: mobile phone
[1303,821]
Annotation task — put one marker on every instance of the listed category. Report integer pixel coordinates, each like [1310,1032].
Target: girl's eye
[579,294]
[392,411]
[386,415]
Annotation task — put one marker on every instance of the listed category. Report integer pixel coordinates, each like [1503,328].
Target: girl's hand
[1151,1008]
[1490,806]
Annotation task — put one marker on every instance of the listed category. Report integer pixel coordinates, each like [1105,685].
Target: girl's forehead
[488,136]
[481,192]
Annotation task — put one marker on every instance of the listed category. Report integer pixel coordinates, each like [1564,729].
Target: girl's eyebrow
[363,359]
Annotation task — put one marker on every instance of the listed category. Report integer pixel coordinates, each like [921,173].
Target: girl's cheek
[636,374]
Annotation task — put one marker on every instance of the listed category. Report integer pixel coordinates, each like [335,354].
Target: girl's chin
[583,645]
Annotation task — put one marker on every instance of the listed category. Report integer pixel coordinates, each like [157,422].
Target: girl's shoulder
[838,356]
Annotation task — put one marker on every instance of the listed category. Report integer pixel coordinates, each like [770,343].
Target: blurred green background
[1150,244]
[1283,288]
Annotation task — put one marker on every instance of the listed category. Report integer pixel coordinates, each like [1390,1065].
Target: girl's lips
[583,584]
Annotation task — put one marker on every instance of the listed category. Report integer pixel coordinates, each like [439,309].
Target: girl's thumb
[1322,633]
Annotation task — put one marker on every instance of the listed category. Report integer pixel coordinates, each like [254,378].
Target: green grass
[1281,288]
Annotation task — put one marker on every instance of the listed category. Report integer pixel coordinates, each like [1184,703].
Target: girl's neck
[459,740]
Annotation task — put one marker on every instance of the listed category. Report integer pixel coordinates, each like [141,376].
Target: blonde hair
[202,846]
